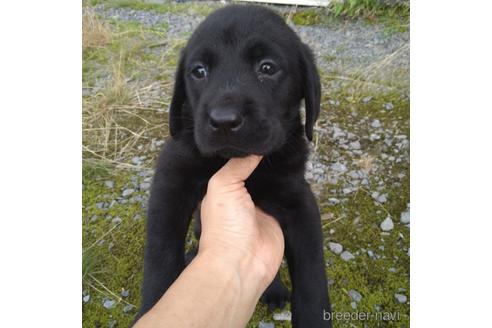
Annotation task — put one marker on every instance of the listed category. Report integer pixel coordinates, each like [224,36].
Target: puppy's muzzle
[225,120]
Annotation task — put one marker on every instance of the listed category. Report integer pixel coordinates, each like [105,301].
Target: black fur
[255,110]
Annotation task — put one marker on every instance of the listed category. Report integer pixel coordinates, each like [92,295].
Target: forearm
[211,292]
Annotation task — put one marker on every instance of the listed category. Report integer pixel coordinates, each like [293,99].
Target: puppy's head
[240,81]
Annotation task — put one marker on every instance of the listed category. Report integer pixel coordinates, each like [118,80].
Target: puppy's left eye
[268,68]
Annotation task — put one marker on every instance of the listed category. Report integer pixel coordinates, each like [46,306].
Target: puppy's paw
[275,296]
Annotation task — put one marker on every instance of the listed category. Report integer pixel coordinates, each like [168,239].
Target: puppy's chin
[229,151]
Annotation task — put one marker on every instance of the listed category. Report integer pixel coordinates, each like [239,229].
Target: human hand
[236,231]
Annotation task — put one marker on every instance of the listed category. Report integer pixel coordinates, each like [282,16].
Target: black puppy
[238,91]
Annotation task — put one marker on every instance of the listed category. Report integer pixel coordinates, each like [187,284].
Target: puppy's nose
[225,119]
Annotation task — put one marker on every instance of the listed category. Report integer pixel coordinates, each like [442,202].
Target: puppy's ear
[311,89]
[179,97]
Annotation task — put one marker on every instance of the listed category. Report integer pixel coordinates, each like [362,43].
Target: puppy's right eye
[199,72]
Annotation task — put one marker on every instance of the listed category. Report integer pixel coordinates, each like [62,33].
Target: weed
[95,33]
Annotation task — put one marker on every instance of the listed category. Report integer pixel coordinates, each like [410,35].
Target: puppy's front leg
[301,225]
[174,196]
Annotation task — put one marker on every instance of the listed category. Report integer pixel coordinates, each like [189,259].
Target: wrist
[243,272]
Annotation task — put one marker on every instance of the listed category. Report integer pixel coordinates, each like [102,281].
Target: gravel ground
[351,44]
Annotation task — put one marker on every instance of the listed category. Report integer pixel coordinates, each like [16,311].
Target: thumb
[237,169]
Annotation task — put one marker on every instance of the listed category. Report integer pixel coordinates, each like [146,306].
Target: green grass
[396,18]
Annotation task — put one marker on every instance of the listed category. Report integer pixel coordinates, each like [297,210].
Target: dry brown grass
[115,121]
[95,33]
[387,74]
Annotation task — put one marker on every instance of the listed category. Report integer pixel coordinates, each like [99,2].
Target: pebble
[145,186]
[333,201]
[116,220]
[86,298]
[109,303]
[380,198]
[387,224]
[109,184]
[354,145]
[405,217]
[374,137]
[353,305]
[347,256]
[264,324]
[355,295]
[339,167]
[376,124]
[338,133]
[388,106]
[370,254]
[367,99]
[335,248]
[283,316]
[127,192]
[400,298]
[112,323]
[125,293]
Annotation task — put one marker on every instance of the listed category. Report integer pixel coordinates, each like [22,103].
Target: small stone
[109,184]
[283,316]
[387,224]
[374,137]
[334,102]
[382,198]
[136,160]
[327,216]
[127,192]
[137,217]
[370,254]
[405,217]
[376,124]
[355,295]
[392,270]
[338,133]
[347,256]
[388,106]
[125,293]
[367,99]
[333,201]
[86,298]
[116,220]
[264,324]
[348,190]
[100,205]
[353,305]
[112,323]
[94,218]
[338,167]
[128,308]
[354,145]
[400,298]
[145,186]
[109,303]
[335,248]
